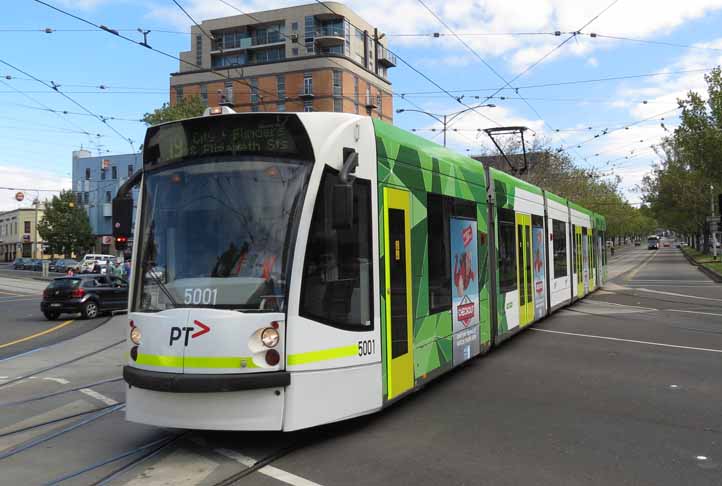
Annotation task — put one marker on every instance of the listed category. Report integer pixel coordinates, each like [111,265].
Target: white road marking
[270,471]
[62,381]
[625,305]
[649,343]
[701,458]
[179,468]
[676,294]
[97,396]
[694,312]
[671,284]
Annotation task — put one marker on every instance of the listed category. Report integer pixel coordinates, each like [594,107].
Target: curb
[710,273]
[691,260]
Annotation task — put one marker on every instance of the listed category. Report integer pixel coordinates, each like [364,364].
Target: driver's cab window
[337,271]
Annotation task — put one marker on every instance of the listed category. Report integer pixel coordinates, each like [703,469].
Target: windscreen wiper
[162,287]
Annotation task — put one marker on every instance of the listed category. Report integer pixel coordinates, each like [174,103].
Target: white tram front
[253,281]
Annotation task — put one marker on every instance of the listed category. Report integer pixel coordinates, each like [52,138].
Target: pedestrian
[70,272]
[126,270]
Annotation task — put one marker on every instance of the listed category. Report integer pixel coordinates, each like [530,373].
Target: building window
[307,83]
[115,172]
[308,105]
[254,94]
[130,170]
[309,32]
[281,106]
[79,198]
[294,25]
[86,197]
[87,174]
[204,94]
[27,227]
[294,51]
[108,196]
[338,105]
[228,91]
[199,50]
[281,87]
[178,93]
[102,174]
[440,211]
[337,86]
[507,250]
[559,247]
[355,93]
[378,104]
[337,272]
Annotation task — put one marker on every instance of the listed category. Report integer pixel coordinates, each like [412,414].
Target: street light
[447,118]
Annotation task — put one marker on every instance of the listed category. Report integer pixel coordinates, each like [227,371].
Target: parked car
[90,295]
[62,266]
[19,263]
[89,260]
[36,265]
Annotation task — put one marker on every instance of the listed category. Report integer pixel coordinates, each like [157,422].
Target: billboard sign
[464,288]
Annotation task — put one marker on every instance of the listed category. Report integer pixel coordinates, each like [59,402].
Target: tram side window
[507,250]
[440,210]
[559,232]
[336,287]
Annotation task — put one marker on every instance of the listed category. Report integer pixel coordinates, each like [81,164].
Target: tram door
[524,272]
[578,252]
[399,327]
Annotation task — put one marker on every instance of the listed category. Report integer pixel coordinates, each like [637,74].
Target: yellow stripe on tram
[323,355]
[195,361]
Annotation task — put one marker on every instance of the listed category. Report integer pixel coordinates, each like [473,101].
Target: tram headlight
[135,335]
[269,337]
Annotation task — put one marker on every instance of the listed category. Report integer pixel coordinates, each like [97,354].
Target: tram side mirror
[342,210]
[122,217]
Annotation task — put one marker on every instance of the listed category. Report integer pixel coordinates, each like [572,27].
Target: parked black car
[62,266]
[19,263]
[88,294]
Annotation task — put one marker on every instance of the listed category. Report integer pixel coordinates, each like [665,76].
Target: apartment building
[303,58]
[96,181]
[19,236]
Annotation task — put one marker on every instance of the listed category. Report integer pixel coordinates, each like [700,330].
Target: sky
[607,95]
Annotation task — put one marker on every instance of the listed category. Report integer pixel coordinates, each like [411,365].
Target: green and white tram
[295,269]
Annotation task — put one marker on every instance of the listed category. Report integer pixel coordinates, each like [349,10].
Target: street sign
[19,196]
[713,219]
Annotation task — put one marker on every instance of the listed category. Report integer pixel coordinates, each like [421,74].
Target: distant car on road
[19,263]
[88,294]
[637,243]
[62,266]
[653,242]
[89,260]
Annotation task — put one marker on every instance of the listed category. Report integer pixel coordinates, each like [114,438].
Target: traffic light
[121,243]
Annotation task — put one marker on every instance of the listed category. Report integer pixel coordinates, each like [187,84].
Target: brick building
[302,58]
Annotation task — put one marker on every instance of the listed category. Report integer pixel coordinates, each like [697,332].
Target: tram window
[507,250]
[336,287]
[559,232]
[440,210]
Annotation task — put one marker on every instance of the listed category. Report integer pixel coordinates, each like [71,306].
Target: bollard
[46,265]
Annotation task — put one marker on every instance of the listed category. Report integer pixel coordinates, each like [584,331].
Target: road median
[710,266]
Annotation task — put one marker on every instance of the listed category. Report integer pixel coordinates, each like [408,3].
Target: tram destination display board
[268,135]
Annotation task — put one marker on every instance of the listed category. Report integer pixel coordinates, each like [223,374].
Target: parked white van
[86,264]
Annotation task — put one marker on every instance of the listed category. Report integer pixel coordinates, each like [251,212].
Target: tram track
[61,392]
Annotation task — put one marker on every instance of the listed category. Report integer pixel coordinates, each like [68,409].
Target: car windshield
[64,283]
[216,234]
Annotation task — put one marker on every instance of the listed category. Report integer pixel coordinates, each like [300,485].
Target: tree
[187,107]
[65,226]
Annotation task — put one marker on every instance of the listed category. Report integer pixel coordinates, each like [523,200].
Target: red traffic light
[121,239]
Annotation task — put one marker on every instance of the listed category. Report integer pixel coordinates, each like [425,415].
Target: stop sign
[19,196]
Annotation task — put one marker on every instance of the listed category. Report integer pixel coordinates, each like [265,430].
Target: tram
[296,269]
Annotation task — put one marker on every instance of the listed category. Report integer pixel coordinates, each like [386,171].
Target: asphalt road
[23,327]
[623,388]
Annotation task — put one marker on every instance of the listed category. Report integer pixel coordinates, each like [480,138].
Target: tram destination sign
[227,135]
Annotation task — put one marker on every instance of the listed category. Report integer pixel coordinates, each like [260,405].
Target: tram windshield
[216,234]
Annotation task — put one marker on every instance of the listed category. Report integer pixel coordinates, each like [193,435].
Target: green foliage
[65,226]
[187,107]
[679,189]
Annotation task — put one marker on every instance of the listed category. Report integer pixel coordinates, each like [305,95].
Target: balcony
[330,36]
[386,58]
[241,41]
[306,94]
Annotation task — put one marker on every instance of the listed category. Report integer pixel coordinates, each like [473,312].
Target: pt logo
[177,332]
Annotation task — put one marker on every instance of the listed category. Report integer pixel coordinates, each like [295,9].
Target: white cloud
[29,179]
[593,62]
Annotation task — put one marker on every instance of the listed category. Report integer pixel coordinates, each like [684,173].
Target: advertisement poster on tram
[464,288]
[539,275]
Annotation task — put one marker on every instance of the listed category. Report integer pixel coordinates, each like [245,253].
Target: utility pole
[444,130]
[712,223]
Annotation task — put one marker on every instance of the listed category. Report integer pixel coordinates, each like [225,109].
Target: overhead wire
[72,100]
[417,71]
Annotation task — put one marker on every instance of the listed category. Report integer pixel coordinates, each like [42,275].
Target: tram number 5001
[200,296]
[366,348]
